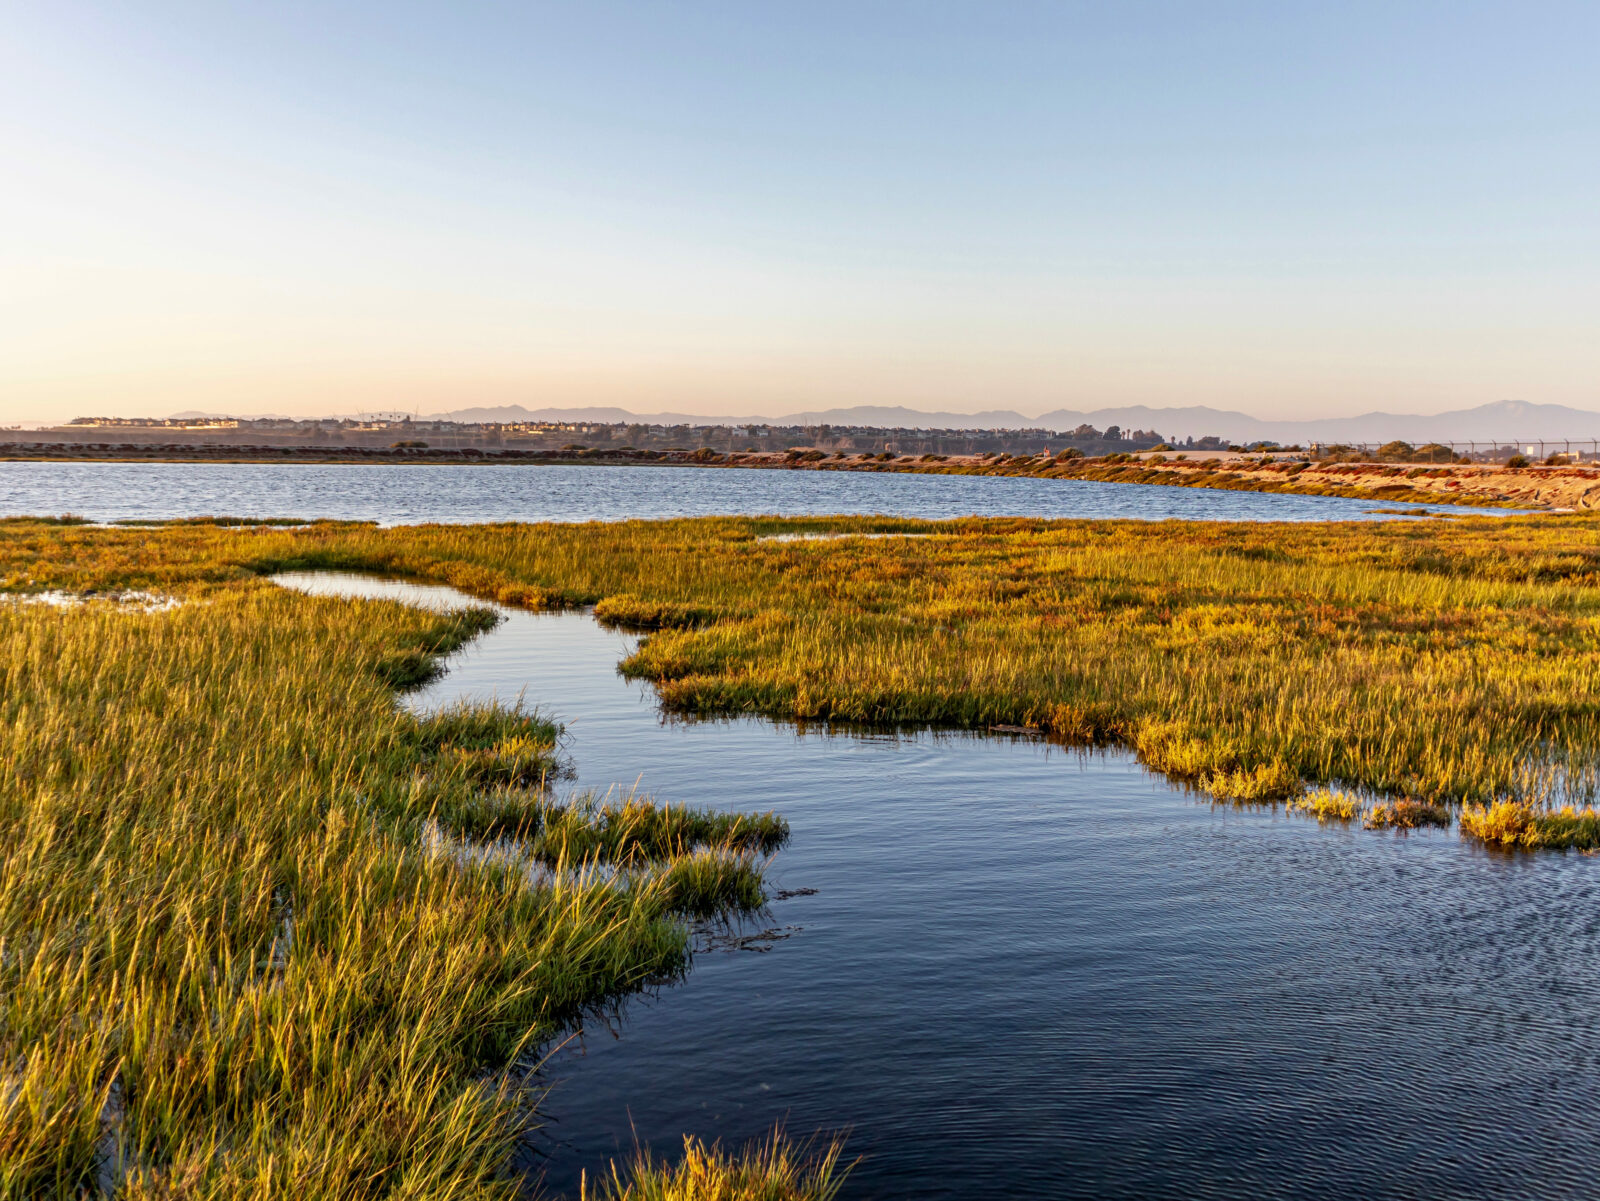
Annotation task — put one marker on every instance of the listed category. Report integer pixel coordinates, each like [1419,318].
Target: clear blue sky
[1291,209]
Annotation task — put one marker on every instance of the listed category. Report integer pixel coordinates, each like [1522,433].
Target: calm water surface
[401,494]
[1034,973]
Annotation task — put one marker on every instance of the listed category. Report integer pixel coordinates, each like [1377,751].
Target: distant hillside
[1501,421]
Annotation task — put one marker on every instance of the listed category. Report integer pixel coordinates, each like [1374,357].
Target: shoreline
[1468,485]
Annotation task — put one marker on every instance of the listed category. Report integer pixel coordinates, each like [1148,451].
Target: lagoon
[1044,973]
[395,494]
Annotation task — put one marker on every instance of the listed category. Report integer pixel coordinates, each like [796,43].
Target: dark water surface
[1033,973]
[395,494]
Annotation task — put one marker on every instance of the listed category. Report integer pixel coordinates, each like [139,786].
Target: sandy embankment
[1528,487]
[1574,488]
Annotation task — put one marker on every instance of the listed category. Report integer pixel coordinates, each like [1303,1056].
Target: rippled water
[397,494]
[1034,973]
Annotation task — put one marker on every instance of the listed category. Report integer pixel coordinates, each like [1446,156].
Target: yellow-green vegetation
[251,941]
[1515,825]
[1445,662]
[630,612]
[776,1170]
[1328,805]
[636,828]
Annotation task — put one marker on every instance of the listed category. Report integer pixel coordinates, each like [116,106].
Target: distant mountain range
[1505,421]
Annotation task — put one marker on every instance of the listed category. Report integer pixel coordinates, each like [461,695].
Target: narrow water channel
[1030,972]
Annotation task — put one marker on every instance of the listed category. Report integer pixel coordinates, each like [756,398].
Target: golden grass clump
[776,1169]
[1328,805]
[638,829]
[1266,782]
[1515,825]
[1504,823]
[629,612]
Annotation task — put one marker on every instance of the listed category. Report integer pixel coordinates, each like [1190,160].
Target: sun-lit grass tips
[774,1169]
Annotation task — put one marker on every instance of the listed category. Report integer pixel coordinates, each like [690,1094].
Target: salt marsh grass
[776,1170]
[1517,826]
[1326,805]
[633,829]
[1449,662]
[230,963]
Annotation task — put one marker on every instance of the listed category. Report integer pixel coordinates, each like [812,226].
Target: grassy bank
[247,948]
[1440,661]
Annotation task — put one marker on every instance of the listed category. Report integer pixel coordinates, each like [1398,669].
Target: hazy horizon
[1287,211]
[155,411]
[1034,414]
